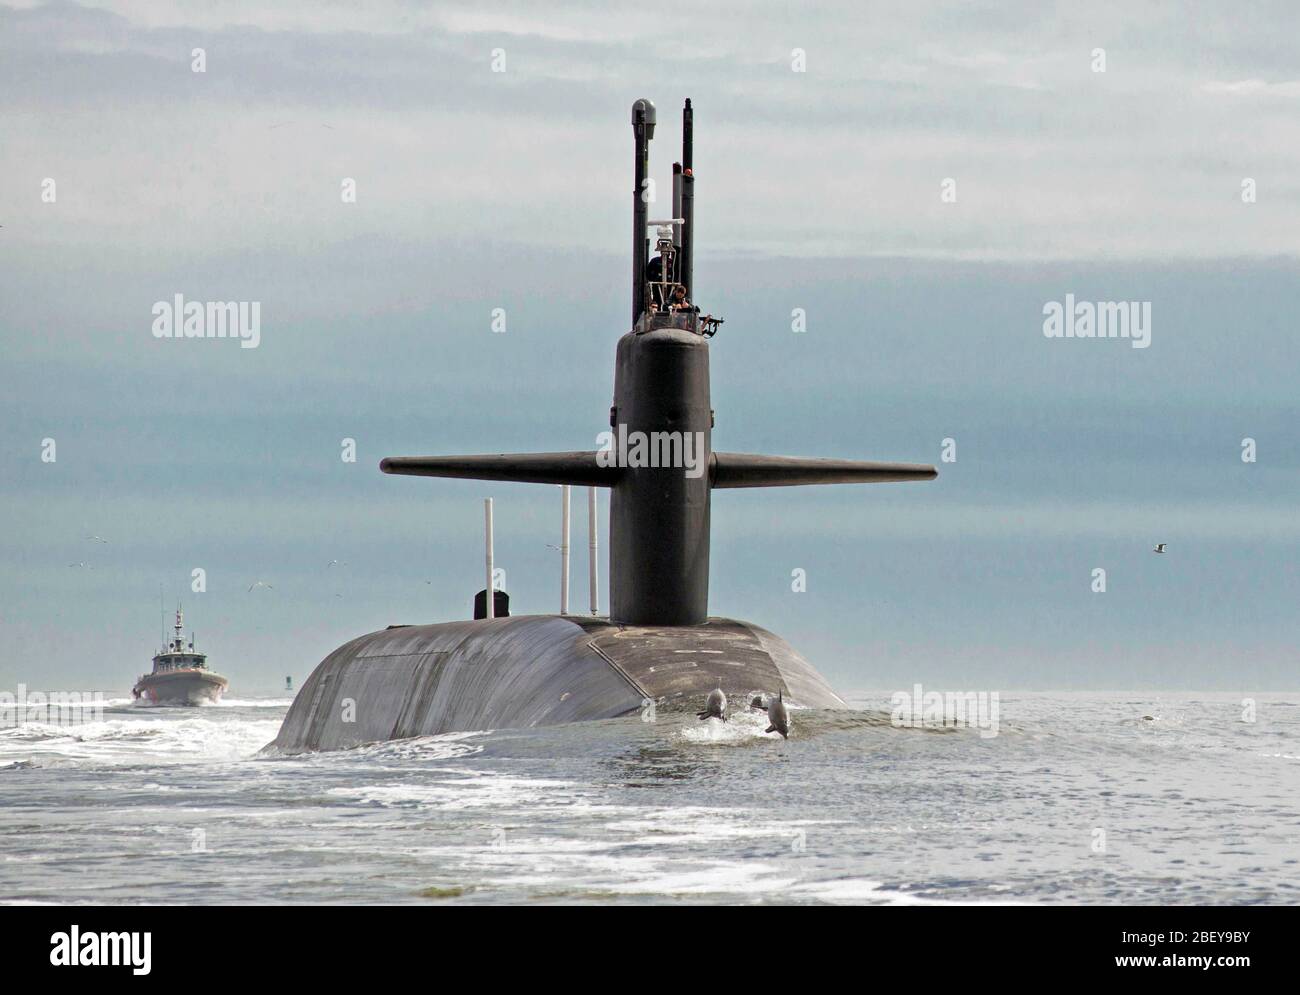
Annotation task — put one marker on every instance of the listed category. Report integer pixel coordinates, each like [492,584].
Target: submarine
[658,645]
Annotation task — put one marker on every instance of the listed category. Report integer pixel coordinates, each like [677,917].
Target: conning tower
[659,462]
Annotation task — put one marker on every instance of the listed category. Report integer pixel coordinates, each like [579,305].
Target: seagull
[335,563]
[97,539]
[1160,548]
[261,583]
[86,565]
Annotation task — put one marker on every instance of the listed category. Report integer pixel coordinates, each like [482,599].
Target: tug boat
[180,675]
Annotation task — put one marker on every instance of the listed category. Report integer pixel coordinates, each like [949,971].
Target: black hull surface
[534,670]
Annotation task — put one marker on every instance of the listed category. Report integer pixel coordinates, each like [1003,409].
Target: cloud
[1051,160]
[1254,87]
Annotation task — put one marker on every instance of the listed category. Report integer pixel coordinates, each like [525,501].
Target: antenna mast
[643,129]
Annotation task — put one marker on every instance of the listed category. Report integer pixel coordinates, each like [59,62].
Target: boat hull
[534,670]
[185,687]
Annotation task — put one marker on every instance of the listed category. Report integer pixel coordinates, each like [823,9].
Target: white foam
[456,793]
[254,703]
[139,740]
[741,728]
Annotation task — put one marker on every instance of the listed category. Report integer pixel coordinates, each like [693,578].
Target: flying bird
[261,583]
[86,565]
[97,539]
[1160,548]
[335,563]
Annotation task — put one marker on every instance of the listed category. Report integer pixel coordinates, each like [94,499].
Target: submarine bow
[659,644]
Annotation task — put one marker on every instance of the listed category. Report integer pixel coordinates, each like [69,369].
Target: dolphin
[715,706]
[778,718]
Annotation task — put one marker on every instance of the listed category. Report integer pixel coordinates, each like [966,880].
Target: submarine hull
[533,670]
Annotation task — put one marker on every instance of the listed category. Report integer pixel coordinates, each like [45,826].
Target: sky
[829,146]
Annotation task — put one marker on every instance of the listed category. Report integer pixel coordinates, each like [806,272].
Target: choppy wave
[1194,804]
[145,741]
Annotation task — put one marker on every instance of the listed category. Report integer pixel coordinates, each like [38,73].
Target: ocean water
[1080,797]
